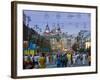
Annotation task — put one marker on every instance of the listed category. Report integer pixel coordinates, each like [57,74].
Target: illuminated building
[58,40]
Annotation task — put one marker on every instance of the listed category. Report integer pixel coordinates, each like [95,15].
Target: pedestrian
[29,64]
[25,61]
[54,58]
[84,58]
[77,57]
[89,60]
[64,60]
[74,58]
[89,56]
[33,61]
[36,58]
[47,59]
[42,61]
[69,58]
[58,61]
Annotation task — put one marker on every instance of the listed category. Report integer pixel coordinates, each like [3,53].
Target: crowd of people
[60,59]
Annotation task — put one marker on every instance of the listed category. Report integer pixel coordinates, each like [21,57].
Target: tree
[81,50]
[75,46]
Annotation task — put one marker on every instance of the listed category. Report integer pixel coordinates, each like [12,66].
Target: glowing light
[87,44]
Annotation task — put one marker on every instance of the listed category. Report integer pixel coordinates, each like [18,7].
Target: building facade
[58,39]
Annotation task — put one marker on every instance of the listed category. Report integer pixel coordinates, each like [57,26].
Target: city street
[49,45]
[78,64]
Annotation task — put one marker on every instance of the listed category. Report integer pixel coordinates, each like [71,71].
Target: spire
[47,29]
[58,28]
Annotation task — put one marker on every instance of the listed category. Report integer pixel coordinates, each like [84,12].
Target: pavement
[77,64]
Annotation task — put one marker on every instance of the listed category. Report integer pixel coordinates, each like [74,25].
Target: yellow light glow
[87,44]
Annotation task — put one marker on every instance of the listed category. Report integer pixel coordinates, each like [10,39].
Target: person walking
[42,61]
[64,60]
[58,62]
[69,58]
[47,59]
[74,58]
[36,58]
[84,58]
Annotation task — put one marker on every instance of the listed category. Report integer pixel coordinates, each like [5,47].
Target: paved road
[79,63]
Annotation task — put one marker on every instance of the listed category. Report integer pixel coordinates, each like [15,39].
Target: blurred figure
[36,58]
[84,58]
[42,61]
[47,59]
[25,61]
[58,62]
[54,58]
[77,57]
[64,60]
[74,58]
[89,57]
[29,64]
[69,57]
